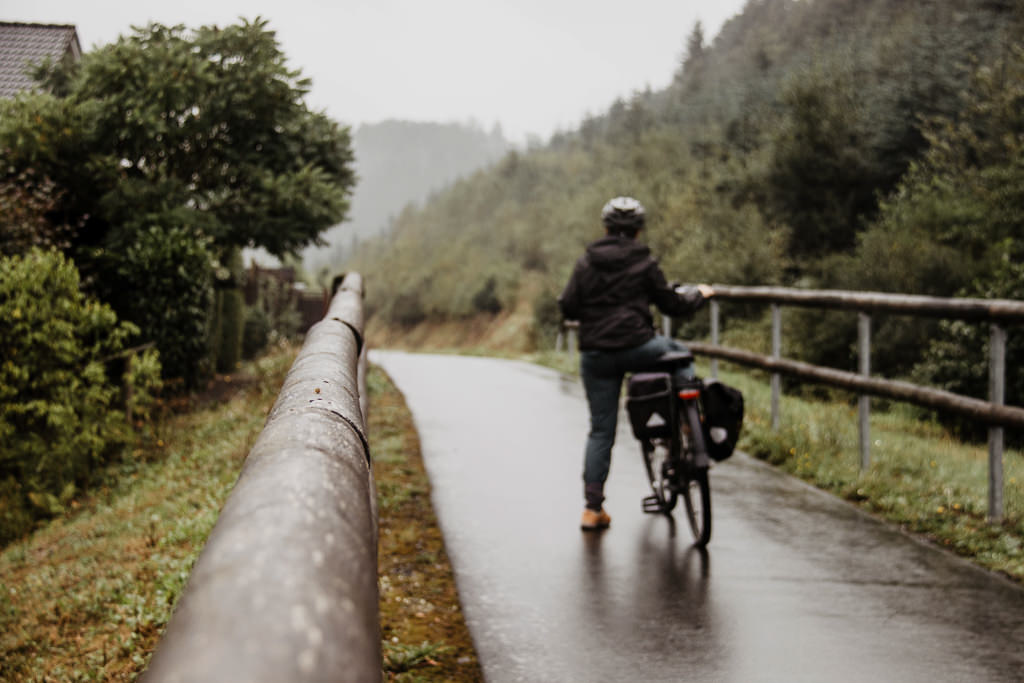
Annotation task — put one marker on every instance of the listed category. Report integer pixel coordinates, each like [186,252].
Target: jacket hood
[615,252]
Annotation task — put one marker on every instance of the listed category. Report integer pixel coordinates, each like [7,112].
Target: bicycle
[665,412]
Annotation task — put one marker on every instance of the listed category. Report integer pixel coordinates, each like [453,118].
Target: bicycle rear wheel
[656,461]
[697,499]
[693,479]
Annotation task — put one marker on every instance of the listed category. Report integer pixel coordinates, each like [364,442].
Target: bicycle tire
[656,462]
[697,500]
[693,480]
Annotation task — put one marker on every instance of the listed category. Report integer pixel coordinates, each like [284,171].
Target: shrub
[486,298]
[957,358]
[163,282]
[58,414]
[25,202]
[273,316]
[407,309]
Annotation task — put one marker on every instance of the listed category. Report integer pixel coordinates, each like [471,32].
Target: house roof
[23,45]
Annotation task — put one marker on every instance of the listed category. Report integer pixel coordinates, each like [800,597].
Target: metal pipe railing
[286,587]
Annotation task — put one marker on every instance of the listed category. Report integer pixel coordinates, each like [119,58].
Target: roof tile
[24,45]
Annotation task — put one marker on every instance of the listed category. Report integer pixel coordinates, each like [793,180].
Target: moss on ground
[425,635]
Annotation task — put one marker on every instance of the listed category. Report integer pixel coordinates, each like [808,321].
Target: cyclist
[610,293]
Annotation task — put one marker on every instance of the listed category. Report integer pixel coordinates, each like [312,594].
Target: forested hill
[404,161]
[863,144]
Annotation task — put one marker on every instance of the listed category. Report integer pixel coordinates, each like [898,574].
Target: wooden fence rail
[997,312]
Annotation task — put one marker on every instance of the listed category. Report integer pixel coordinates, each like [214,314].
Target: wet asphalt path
[795,585]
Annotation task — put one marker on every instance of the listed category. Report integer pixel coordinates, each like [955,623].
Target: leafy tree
[209,127]
[960,206]
[969,193]
[169,136]
[820,181]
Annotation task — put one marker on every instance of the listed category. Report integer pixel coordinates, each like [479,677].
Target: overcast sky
[534,66]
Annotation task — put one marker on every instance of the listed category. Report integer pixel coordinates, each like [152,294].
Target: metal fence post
[776,353]
[997,395]
[864,401]
[714,336]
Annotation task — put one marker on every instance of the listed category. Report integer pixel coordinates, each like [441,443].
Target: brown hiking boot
[594,521]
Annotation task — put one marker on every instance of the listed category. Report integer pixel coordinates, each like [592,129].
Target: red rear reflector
[688,394]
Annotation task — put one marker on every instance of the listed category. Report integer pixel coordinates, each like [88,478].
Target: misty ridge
[836,144]
[403,162]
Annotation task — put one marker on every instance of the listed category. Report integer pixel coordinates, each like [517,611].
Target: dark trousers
[603,372]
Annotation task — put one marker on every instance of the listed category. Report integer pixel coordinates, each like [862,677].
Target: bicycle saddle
[670,361]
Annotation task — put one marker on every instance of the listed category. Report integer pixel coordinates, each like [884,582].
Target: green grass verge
[86,597]
[919,476]
[425,635]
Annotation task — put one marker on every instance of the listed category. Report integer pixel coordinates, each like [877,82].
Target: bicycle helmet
[623,214]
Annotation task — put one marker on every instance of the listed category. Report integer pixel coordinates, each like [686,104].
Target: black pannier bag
[723,417]
[649,404]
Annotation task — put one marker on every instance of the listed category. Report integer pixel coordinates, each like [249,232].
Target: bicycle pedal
[651,504]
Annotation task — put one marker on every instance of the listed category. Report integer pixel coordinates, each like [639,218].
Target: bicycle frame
[684,469]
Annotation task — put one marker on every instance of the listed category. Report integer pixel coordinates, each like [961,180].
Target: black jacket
[611,291]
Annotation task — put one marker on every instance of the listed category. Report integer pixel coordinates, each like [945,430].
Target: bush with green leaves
[273,316]
[59,410]
[163,282]
[957,358]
